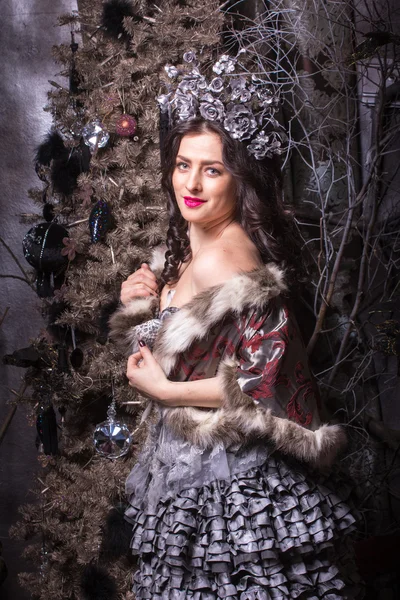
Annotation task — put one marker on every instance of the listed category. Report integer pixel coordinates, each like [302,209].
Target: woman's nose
[193,181]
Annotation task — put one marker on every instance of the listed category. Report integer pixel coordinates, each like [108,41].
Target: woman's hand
[142,283]
[146,375]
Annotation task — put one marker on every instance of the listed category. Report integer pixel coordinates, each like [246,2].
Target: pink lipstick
[193,202]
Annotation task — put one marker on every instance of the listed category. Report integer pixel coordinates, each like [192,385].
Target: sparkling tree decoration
[95,135]
[112,438]
[126,126]
[99,221]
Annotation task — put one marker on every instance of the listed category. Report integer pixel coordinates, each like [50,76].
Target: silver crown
[245,105]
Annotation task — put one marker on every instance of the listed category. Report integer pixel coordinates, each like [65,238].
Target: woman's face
[204,189]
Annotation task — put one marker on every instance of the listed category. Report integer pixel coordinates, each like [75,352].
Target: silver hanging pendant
[112,438]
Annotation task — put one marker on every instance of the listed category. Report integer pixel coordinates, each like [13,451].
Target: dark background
[27,33]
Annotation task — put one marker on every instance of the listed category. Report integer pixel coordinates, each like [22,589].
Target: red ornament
[126,126]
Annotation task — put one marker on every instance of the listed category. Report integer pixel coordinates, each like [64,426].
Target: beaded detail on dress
[148,331]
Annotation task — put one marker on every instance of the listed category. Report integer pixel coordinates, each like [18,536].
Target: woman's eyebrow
[203,162]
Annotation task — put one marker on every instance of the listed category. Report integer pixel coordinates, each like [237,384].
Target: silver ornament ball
[112,439]
[95,135]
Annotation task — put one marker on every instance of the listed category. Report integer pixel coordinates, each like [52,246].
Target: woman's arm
[205,393]
[146,375]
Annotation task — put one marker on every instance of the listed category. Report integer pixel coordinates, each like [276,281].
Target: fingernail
[141,343]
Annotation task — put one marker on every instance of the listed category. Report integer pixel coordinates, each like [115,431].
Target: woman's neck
[201,236]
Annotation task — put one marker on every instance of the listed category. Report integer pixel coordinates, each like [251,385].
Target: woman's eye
[182,166]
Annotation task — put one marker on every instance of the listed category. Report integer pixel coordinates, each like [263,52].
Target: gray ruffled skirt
[271,532]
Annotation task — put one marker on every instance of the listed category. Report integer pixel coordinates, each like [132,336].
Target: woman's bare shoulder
[222,260]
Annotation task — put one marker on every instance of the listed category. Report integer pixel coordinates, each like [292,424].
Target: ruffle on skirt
[270,533]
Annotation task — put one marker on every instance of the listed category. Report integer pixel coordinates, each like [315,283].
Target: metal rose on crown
[245,105]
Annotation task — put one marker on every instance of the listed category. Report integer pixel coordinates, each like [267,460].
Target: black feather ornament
[66,163]
[48,212]
[117,534]
[114,12]
[52,148]
[65,172]
[25,358]
[96,583]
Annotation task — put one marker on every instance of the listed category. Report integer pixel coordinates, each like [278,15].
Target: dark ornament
[114,12]
[76,358]
[46,425]
[74,78]
[97,584]
[42,247]
[117,534]
[43,244]
[52,148]
[48,212]
[62,412]
[65,172]
[62,361]
[126,126]
[99,221]
[25,358]
[66,163]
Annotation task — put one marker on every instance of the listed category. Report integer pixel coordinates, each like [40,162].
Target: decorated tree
[103,213]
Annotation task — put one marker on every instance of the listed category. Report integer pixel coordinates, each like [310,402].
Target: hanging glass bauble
[95,135]
[112,438]
[99,221]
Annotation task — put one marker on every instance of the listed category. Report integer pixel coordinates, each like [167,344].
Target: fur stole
[239,420]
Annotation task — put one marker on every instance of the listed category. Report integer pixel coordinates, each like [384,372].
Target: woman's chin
[192,214]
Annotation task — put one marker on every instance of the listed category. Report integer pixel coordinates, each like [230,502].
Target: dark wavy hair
[260,209]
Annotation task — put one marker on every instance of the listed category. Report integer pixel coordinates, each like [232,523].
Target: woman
[226,500]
